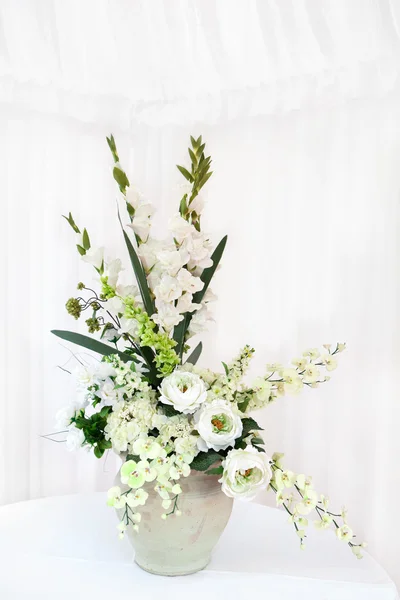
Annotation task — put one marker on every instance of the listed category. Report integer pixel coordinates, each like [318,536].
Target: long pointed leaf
[140,276]
[195,355]
[139,272]
[91,344]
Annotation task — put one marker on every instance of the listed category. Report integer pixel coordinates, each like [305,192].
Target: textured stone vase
[181,545]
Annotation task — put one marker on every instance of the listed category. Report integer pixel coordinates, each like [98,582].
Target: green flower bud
[73,308]
[93,325]
[80,286]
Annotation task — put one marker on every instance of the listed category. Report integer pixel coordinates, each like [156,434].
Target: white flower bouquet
[149,401]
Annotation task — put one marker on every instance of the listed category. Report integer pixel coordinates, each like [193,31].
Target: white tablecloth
[67,548]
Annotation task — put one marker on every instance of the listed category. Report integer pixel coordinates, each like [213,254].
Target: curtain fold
[299,104]
[158,62]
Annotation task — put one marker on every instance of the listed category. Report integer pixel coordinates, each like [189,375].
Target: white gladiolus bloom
[209,296]
[141,221]
[112,271]
[197,205]
[184,391]
[200,320]
[75,439]
[218,424]
[169,289]
[185,304]
[188,282]
[94,256]
[148,252]
[246,472]
[104,370]
[199,249]
[132,196]
[172,260]
[180,228]
[167,316]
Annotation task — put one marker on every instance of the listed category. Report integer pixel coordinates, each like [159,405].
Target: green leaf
[243,404]
[204,180]
[91,344]
[226,368]
[257,440]
[169,411]
[183,207]
[216,471]
[86,240]
[179,333]
[133,457]
[113,148]
[140,276]
[81,250]
[98,452]
[195,355]
[204,460]
[121,178]
[249,425]
[71,222]
[193,157]
[185,173]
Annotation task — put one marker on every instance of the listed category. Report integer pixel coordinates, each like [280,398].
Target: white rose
[245,473]
[218,425]
[184,391]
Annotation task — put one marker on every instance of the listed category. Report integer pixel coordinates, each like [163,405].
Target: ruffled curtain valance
[121,62]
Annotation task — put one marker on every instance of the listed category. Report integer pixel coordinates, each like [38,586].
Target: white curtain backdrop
[299,102]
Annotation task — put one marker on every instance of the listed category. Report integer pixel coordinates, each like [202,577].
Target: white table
[66,548]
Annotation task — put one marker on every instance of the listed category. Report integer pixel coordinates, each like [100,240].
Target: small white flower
[245,473]
[329,361]
[344,533]
[292,382]
[146,448]
[108,393]
[184,391]
[309,502]
[218,425]
[75,439]
[85,376]
[115,497]
[311,374]
[94,256]
[137,498]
